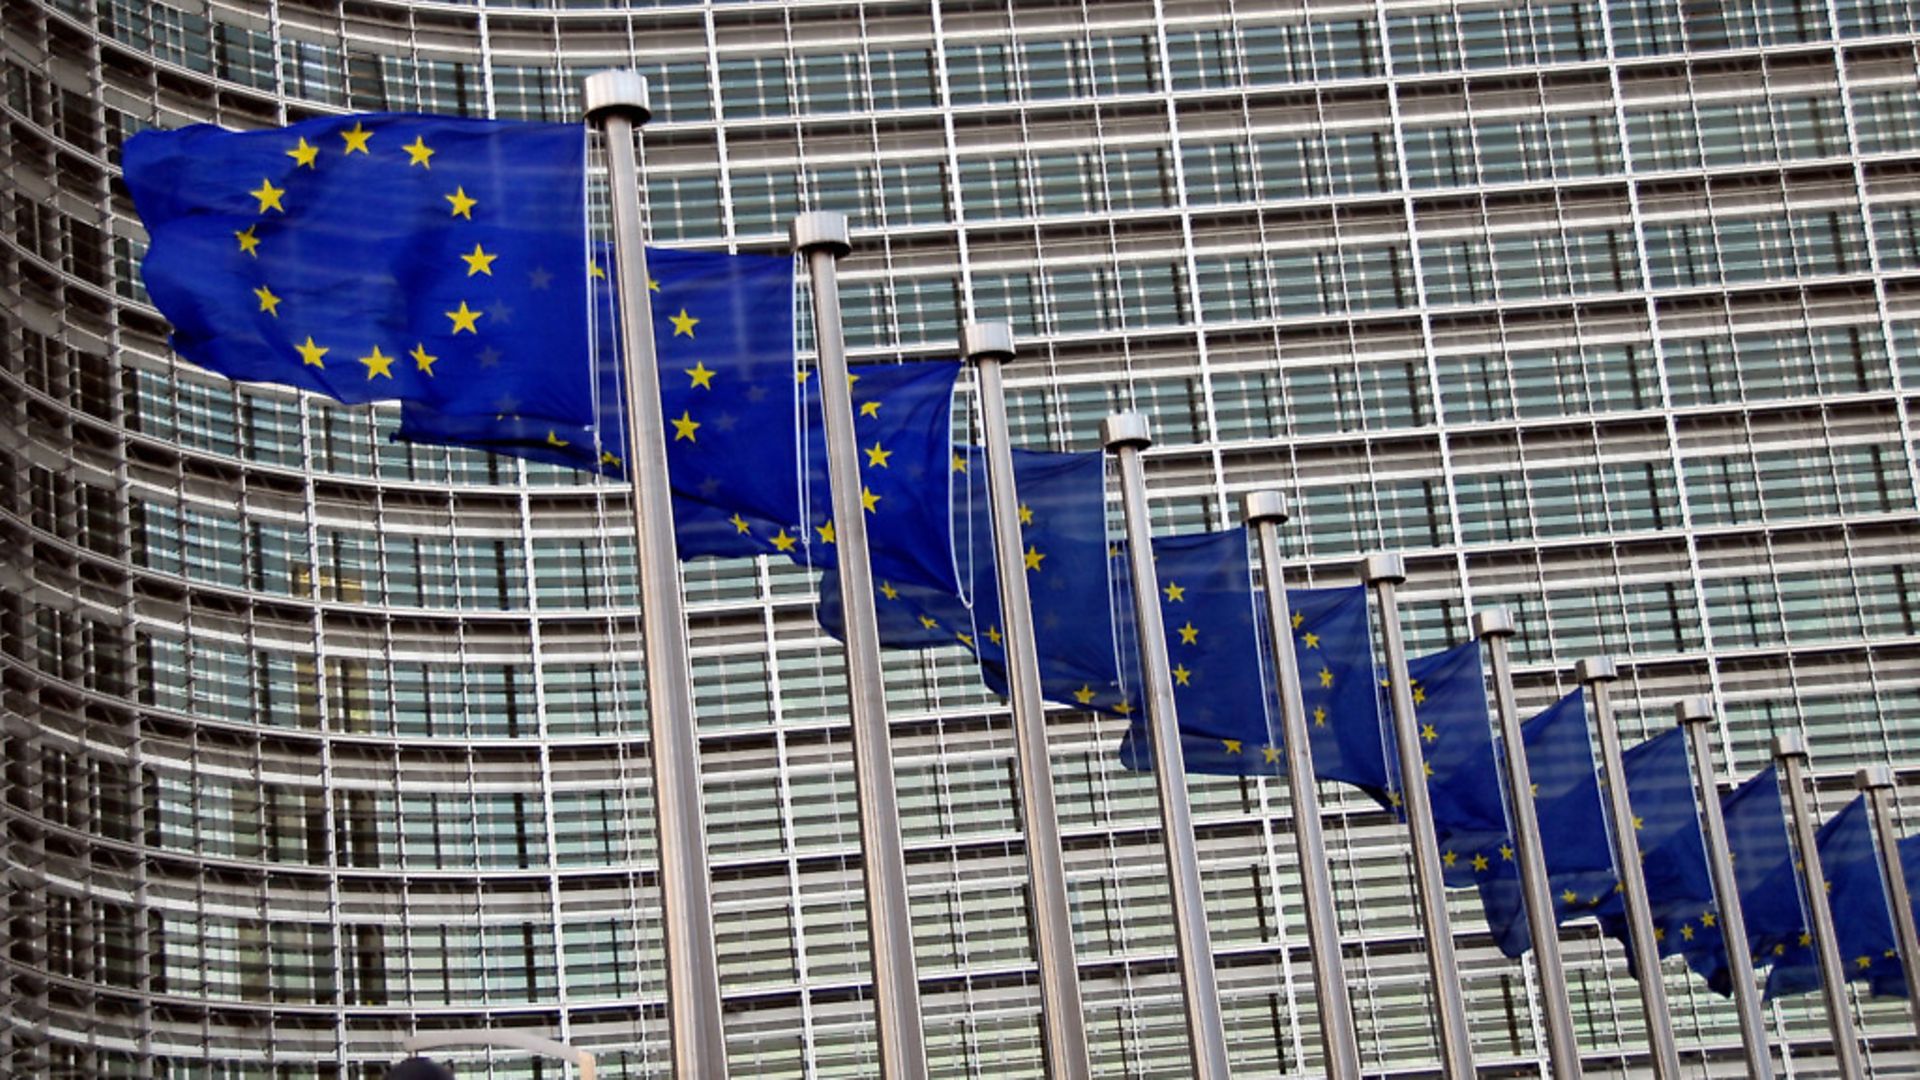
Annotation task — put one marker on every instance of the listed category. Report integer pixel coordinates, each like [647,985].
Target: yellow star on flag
[418,153]
[701,374]
[825,531]
[877,456]
[462,204]
[959,464]
[268,301]
[1298,619]
[304,153]
[783,542]
[1506,852]
[1271,753]
[1570,896]
[1428,734]
[269,196]
[479,262]
[1708,918]
[1232,745]
[685,426]
[310,353]
[249,243]
[683,323]
[1182,676]
[465,319]
[1311,641]
[1189,634]
[887,590]
[1033,557]
[1084,695]
[929,622]
[740,525]
[1450,858]
[993,634]
[1686,931]
[422,359]
[357,138]
[869,501]
[1479,863]
[872,408]
[553,439]
[1326,677]
[378,363]
[1125,708]
[1026,514]
[1320,717]
[1175,593]
[607,457]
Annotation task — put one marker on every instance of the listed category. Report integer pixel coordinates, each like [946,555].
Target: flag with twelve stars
[1062,508]
[1673,855]
[1756,826]
[1464,784]
[1574,839]
[1863,927]
[374,257]
[1225,690]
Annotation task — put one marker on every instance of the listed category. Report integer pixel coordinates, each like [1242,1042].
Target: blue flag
[1063,525]
[1763,869]
[1225,688]
[375,257]
[1863,928]
[1456,742]
[1574,839]
[1673,854]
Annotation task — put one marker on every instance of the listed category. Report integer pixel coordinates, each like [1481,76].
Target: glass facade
[1607,311]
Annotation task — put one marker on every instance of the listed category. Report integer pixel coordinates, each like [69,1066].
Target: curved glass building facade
[1607,311]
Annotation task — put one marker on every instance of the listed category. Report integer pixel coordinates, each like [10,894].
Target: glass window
[979,75]
[755,86]
[1216,172]
[1201,59]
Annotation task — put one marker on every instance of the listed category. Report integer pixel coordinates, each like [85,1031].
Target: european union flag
[1456,742]
[1763,868]
[375,257]
[1673,854]
[1574,839]
[1863,927]
[1063,525]
[1225,688]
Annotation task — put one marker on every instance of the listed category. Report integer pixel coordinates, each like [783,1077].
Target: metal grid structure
[1608,312]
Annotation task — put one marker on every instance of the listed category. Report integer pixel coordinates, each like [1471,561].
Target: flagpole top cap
[1873,778]
[1264,508]
[1595,669]
[618,92]
[986,341]
[1383,567]
[1693,710]
[821,229]
[1126,429]
[1789,744]
[1493,622]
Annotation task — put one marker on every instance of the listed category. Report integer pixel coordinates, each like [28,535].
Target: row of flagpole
[617,104]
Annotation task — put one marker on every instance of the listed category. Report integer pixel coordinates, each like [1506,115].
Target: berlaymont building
[1606,311]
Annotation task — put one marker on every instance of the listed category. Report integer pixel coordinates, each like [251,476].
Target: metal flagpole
[1876,781]
[1790,750]
[1695,715]
[1265,512]
[822,239]
[1382,573]
[1126,434]
[1494,627]
[617,102]
[1595,673]
[987,346]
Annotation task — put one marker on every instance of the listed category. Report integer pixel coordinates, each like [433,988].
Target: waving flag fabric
[1863,928]
[375,257]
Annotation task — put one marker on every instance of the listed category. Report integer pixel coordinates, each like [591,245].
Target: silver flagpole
[1126,434]
[1595,673]
[1695,715]
[1790,750]
[987,346]
[822,238]
[617,102]
[1265,512]
[1876,781]
[1494,627]
[1383,573]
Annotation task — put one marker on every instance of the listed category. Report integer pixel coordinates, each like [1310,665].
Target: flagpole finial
[1383,567]
[1126,429]
[1493,622]
[986,341]
[1595,669]
[1789,744]
[820,229]
[619,91]
[1873,778]
[1693,710]
[1260,507]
